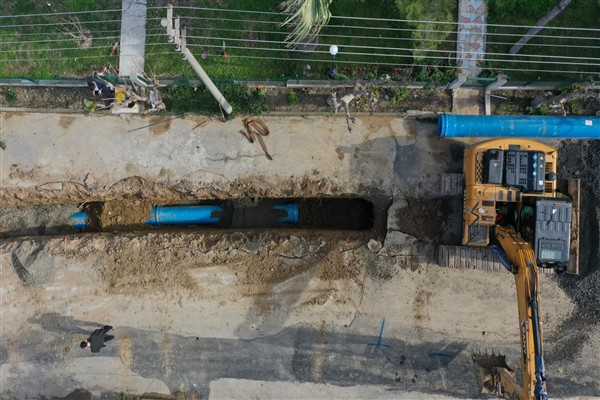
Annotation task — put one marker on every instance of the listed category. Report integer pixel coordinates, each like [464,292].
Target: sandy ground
[280,314]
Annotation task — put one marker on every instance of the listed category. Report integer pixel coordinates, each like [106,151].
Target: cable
[393,29]
[386,38]
[69,39]
[66,58]
[383,38]
[397,55]
[397,64]
[383,19]
[82,23]
[71,13]
[399,48]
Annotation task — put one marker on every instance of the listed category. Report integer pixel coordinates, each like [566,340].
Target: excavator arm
[501,379]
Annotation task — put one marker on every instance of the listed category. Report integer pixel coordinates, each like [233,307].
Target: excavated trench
[127,215]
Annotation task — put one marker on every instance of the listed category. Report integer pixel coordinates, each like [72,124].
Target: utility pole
[176,35]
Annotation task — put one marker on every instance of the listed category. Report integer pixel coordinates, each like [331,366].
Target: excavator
[511,202]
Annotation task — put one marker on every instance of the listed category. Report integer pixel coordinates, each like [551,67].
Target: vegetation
[197,99]
[430,35]
[307,17]
[550,42]
[85,39]
[292,98]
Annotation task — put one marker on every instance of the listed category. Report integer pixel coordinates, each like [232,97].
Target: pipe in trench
[451,125]
[183,215]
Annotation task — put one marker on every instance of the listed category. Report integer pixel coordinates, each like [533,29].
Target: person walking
[97,339]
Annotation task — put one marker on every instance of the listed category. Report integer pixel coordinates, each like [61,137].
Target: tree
[307,17]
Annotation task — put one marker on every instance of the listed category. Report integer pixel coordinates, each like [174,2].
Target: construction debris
[256,129]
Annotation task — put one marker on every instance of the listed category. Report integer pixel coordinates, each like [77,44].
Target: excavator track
[466,257]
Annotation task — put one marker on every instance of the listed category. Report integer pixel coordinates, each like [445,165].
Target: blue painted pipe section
[79,220]
[292,212]
[451,125]
[183,215]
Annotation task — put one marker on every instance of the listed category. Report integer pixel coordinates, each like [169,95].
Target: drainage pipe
[183,215]
[291,210]
[451,125]
[80,219]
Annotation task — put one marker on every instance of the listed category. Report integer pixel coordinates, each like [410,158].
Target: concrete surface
[133,38]
[52,147]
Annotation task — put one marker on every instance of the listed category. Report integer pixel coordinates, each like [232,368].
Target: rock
[292,248]
[89,181]
[374,245]
[399,244]
[56,186]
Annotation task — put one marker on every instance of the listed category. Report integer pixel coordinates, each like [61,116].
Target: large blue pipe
[451,125]
[183,215]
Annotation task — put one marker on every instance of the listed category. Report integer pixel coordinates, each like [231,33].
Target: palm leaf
[308,18]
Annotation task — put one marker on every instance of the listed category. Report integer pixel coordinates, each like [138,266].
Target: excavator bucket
[488,372]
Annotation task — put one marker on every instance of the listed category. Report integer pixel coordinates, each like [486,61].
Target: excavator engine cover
[525,170]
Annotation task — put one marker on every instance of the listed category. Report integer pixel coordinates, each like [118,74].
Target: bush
[292,98]
[427,10]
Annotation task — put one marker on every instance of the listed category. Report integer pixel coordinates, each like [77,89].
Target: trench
[127,215]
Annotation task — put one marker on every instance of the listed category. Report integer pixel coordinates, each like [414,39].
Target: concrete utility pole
[176,35]
[133,39]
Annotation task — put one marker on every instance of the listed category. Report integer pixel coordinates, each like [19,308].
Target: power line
[391,29]
[387,19]
[395,55]
[71,13]
[66,58]
[382,38]
[65,48]
[70,39]
[396,49]
[81,22]
[397,64]
[67,40]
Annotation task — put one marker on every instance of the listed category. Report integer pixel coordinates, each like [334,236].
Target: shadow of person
[54,322]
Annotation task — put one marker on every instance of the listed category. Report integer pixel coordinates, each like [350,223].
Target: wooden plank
[574,188]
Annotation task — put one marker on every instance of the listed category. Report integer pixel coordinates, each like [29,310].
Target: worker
[99,86]
[97,339]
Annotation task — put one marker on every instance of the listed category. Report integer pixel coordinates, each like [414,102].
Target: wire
[67,48]
[386,19]
[82,23]
[71,13]
[396,55]
[67,58]
[394,29]
[397,64]
[398,48]
[70,39]
[383,37]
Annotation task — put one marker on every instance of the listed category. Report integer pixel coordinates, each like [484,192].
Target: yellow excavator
[511,196]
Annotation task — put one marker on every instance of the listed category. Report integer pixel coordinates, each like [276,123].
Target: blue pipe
[451,125]
[183,215]
[80,220]
[292,212]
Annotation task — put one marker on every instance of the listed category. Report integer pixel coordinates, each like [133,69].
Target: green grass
[273,60]
[579,14]
[23,46]
[247,59]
